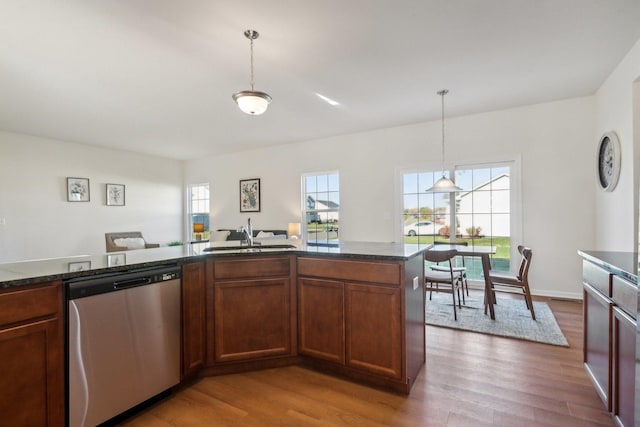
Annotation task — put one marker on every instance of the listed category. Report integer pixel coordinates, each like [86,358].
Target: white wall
[40,223]
[616,212]
[552,141]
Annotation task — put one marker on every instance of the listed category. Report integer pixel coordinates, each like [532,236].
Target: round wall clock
[608,161]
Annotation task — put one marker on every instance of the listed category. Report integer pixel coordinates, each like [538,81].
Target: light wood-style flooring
[470,379]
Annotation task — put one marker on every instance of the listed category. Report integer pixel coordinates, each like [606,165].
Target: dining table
[484,253]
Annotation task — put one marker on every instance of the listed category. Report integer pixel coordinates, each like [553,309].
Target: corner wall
[41,223]
[617,211]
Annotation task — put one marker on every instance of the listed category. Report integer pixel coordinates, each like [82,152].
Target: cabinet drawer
[251,267]
[625,295]
[597,277]
[373,272]
[25,304]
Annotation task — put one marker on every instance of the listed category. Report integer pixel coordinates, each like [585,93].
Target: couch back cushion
[130,242]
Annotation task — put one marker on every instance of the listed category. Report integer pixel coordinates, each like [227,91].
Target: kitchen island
[355,310]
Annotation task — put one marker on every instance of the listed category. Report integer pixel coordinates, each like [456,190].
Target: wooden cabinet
[193,318]
[610,307]
[356,325]
[598,312]
[252,304]
[362,318]
[321,319]
[353,314]
[373,329]
[32,356]
[624,363]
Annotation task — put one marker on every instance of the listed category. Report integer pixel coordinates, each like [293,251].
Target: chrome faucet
[248,231]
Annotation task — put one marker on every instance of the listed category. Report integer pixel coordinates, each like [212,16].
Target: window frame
[305,209]
[191,213]
[515,202]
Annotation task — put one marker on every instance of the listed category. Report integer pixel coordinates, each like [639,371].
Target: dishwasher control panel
[169,276]
[99,284]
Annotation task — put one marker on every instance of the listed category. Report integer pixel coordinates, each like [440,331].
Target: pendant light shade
[444,184]
[252,101]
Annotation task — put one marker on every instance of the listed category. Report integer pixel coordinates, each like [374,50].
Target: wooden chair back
[440,256]
[525,263]
[506,282]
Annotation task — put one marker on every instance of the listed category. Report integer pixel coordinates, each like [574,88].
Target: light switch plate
[415,283]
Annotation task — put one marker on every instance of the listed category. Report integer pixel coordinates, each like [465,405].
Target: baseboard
[573,296]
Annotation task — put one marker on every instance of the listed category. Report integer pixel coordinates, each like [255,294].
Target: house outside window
[198,208]
[426,216]
[481,213]
[321,208]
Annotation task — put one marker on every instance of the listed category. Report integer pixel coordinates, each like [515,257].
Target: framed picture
[116,260]
[79,266]
[115,195]
[78,189]
[250,195]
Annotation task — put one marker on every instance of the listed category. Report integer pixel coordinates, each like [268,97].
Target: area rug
[512,318]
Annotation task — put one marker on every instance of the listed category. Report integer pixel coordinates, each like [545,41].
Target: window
[321,208]
[198,212]
[426,215]
[481,214]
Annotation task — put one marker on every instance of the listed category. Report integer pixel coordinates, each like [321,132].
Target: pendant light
[252,101]
[444,184]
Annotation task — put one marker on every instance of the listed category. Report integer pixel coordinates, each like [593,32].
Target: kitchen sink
[254,248]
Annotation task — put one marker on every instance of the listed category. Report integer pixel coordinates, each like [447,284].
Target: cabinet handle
[596,293]
[624,316]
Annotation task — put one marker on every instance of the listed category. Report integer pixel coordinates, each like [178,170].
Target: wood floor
[470,379]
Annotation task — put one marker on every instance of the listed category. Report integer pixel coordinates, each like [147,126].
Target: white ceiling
[156,76]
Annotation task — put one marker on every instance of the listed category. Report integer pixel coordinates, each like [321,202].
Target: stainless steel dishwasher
[124,341]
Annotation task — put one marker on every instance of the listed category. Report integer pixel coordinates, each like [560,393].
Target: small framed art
[250,195]
[115,195]
[79,266]
[78,189]
[116,260]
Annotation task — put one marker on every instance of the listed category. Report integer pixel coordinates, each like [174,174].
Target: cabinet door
[624,367]
[321,319]
[597,341]
[373,329]
[193,318]
[252,319]
[31,357]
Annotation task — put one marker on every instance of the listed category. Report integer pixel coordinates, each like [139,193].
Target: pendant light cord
[442,93]
[251,40]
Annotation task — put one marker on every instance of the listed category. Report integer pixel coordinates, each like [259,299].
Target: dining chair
[462,269]
[505,281]
[450,279]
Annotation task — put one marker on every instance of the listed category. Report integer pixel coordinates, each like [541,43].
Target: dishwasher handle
[130,283]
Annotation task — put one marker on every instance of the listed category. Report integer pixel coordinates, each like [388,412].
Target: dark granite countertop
[623,264]
[373,250]
[36,271]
